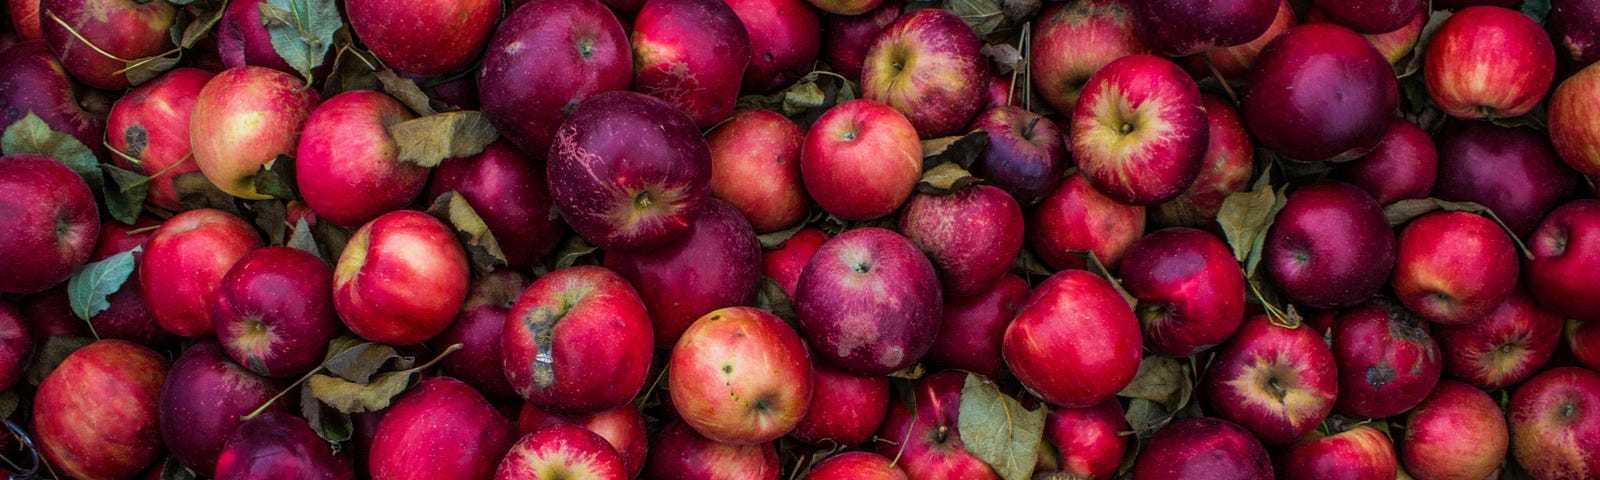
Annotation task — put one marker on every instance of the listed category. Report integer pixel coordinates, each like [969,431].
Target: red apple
[95,415]
[96,39]
[868,302]
[845,409]
[1396,44]
[1185,27]
[1554,430]
[1330,246]
[785,37]
[577,342]
[278,445]
[1457,432]
[1027,154]
[244,118]
[720,258]
[32,80]
[1085,442]
[561,451]
[1203,449]
[974,327]
[128,316]
[1403,167]
[478,328]
[440,428]
[274,311]
[680,453]
[1139,130]
[1503,348]
[25,19]
[184,263]
[926,65]
[1234,63]
[856,466]
[927,441]
[1370,16]
[16,346]
[972,236]
[1230,156]
[1386,360]
[1320,92]
[424,38]
[1488,62]
[740,375]
[1572,105]
[1191,291]
[1073,40]
[1559,274]
[1574,27]
[1079,363]
[1277,382]
[347,165]
[755,166]
[243,40]
[848,35]
[204,399]
[784,263]
[512,194]
[1453,268]
[861,160]
[1360,453]
[692,54]
[622,427]
[1583,339]
[1078,218]
[149,128]
[51,223]
[401,279]
[1513,171]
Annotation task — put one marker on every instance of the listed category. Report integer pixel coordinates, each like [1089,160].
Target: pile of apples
[823,240]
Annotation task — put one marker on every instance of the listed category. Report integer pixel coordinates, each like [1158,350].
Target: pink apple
[274,311]
[1079,363]
[1513,171]
[1330,246]
[52,223]
[1078,218]
[927,441]
[561,451]
[691,53]
[512,194]
[1387,361]
[424,38]
[680,453]
[848,35]
[845,409]
[974,327]
[784,263]
[95,415]
[1277,382]
[204,399]
[1203,448]
[578,342]
[1185,27]
[1554,430]
[1488,62]
[785,37]
[1453,268]
[1027,154]
[244,118]
[622,427]
[1073,40]
[149,127]
[1085,442]
[1574,137]
[861,160]
[440,428]
[868,302]
[926,65]
[1559,274]
[1229,160]
[1191,291]
[96,38]
[972,236]
[1503,348]
[755,166]
[1403,167]
[348,166]
[740,375]
[401,279]
[277,444]
[1457,432]
[1320,92]
[184,263]
[1362,453]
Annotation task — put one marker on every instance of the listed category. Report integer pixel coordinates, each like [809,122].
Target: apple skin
[849,36]
[242,39]
[1235,63]
[478,328]
[52,223]
[928,441]
[274,311]
[440,428]
[184,263]
[1403,167]
[561,451]
[1085,442]
[593,333]
[1583,339]
[128,317]
[16,346]
[32,80]
[1453,268]
[1513,171]
[1330,246]
[95,416]
[1186,27]
[246,117]
[424,38]
[716,264]
[856,466]
[972,236]
[845,409]
[1360,453]
[1229,161]
[1080,363]
[623,427]
[974,327]
[1575,31]
[1027,154]
[680,453]
[1396,44]
[1488,62]
[1320,92]
[1073,40]
[1139,130]
[24,19]
[348,167]
[1554,430]
[861,160]
[785,263]
[49,313]
[204,399]
[401,279]
[926,65]
[1559,274]
[1387,362]
[869,302]
[580,37]
[1277,382]
[122,29]
[150,127]
[1457,432]
[693,54]
[1203,449]
[1571,106]
[755,166]
[512,194]
[1370,16]
[629,172]
[280,445]
[1503,348]
[764,372]
[785,39]
[1076,217]
[1191,291]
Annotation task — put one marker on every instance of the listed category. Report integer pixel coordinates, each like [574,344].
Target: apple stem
[1220,79]
[1280,317]
[80,38]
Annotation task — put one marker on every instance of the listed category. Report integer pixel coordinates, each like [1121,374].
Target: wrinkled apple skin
[1080,363]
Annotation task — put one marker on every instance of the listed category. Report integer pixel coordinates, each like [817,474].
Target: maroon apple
[1078,218]
[1503,348]
[868,302]
[785,37]
[861,160]
[243,40]
[927,442]
[1513,171]
[478,328]
[184,263]
[1027,155]
[204,399]
[1574,27]
[692,54]
[740,375]
[1320,92]
[1229,161]
[149,129]
[755,166]
[424,38]
[1403,167]
[1330,246]
[1139,131]
[1457,432]
[52,223]
[845,409]
[1073,40]
[926,65]
[441,428]
[1085,442]
[16,346]
[561,451]
[1488,62]
[1576,139]
[1554,431]
[1361,453]
[716,264]
[1370,16]
[348,166]
[1186,27]
[577,342]
[1453,268]
[972,236]
[32,80]
[856,466]
[512,194]
[629,172]
[401,279]
[97,39]
[1235,63]
[280,445]
[244,118]
[49,313]
[680,453]
[1203,449]
[128,316]
[974,327]
[274,311]
[95,415]
[784,263]
[1277,382]
[1387,361]
[1079,363]
[1583,339]
[1558,275]
[849,36]
[1191,291]
[25,19]
[622,427]
[998,92]
[1395,45]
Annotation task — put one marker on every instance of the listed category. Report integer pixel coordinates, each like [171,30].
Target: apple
[1077,218]
[755,166]
[926,65]
[1073,40]
[1583,339]
[785,39]
[1361,452]
[998,92]
[577,342]
[868,302]
[927,441]
[184,263]
[974,327]
[1460,4]
[274,311]
[1387,362]
[49,313]
[1139,130]
[1403,167]
[1234,63]
[1554,431]
[972,236]
[677,452]
[25,19]
[845,409]
[785,263]
[1454,268]
[16,346]
[1370,16]
[1396,44]
[511,193]
[1229,161]
[1330,246]
[1027,154]
[1277,382]
[244,118]
[1191,291]
[1558,275]
[32,80]
[348,167]
[204,399]
[424,38]
[849,35]
[1575,138]
[1085,442]
[693,54]
[276,444]
[401,279]
[861,160]
[478,328]
[1206,448]
[52,223]
[1320,92]
[1457,432]
[629,172]
[856,466]
[149,128]
[127,316]
[440,428]
[1079,363]
[95,39]
[1574,27]
[1185,27]
[720,257]
[740,375]
[95,415]
[1503,348]
[561,451]
[1488,62]
[622,427]
[1513,171]
[243,40]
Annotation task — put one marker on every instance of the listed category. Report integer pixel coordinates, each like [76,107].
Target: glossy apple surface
[1074,364]
[578,342]
[1320,92]
[868,302]
[184,263]
[53,223]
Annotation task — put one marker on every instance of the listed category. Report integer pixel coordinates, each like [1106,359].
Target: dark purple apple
[692,54]
[1277,382]
[440,428]
[52,223]
[1574,27]
[927,441]
[510,191]
[1370,16]
[716,264]
[243,40]
[32,80]
[1191,291]
[1186,27]
[280,445]
[1503,348]
[1203,449]
[1387,361]
[478,329]
[972,235]
[1027,154]
[1403,167]
[974,327]
[274,311]
[1330,246]
[204,400]
[1513,171]
[868,302]
[1321,92]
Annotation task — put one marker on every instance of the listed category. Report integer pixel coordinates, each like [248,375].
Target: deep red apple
[861,160]
[1234,63]
[25,18]
[1077,218]
[927,441]
[691,53]
[95,415]
[974,327]
[347,165]
[1139,131]
[1583,339]
[785,37]
[622,427]
[716,264]
[128,317]
[1403,167]
[1554,430]
[856,466]
[424,38]
[149,127]
[1503,348]
[1320,92]
[845,409]
[1360,453]
[203,401]
[1559,274]
[740,375]
[1387,361]
[868,302]
[401,279]
[278,445]
[32,80]
[49,313]
[1370,16]
[1488,62]
[1453,268]
[1229,160]
[51,223]
[755,166]
[95,39]
[244,118]
[184,263]
[784,264]
[1191,291]
[1513,171]
[478,328]
[1277,382]
[243,40]
[1085,442]
[848,36]
[274,311]
[1203,449]
[440,428]
[1330,246]
[972,236]
[1572,105]
[1079,363]
[1574,27]
[578,342]
[1027,154]
[512,194]
[680,453]
[926,65]
[1457,432]
[1185,27]
[1073,40]
[561,451]
[16,346]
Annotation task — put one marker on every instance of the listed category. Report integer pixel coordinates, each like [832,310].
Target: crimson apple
[478,328]
[972,235]
[1387,362]
[1503,348]
[32,80]
[1079,363]
[424,38]
[1457,432]
[1191,291]
[274,311]
[204,399]
[25,18]
[95,39]
[49,313]
[740,375]
[1277,382]
[440,428]
[755,166]
[512,195]
[785,37]
[1583,339]
[1488,62]
[1186,27]
[1235,63]
[1330,246]
[561,451]
[1360,453]
[1574,27]
[51,223]
[577,342]
[1139,131]
[1320,92]
[926,65]
[1085,442]
[1513,171]
[1403,167]
[1077,218]
[680,453]
[868,302]
[622,427]
[128,316]
[861,160]
[1203,449]
[95,416]
[691,53]
[16,346]
[348,166]
[1559,274]
[1229,160]
[1027,154]
[974,327]
[1073,40]
[856,466]
[242,39]
[184,263]
[1576,101]
[1453,268]
[927,441]
[785,263]
[244,118]
[401,279]
[845,409]
[278,445]
[720,257]
[149,128]
[1554,430]
[848,36]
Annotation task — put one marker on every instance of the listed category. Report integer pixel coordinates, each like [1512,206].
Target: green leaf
[1435,19]
[202,25]
[31,135]
[174,470]
[9,402]
[360,362]
[148,68]
[351,397]
[195,191]
[406,91]
[301,31]
[1161,380]
[50,355]
[89,287]
[330,424]
[1245,218]
[984,16]
[944,179]
[276,178]
[353,68]
[1538,10]
[125,202]
[996,429]
[426,141]
[575,251]
[480,244]
[302,239]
